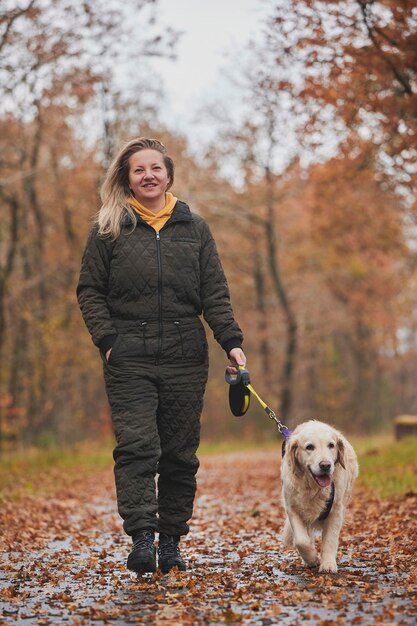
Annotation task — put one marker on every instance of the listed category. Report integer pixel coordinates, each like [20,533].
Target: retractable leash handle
[242,378]
[239,394]
[242,375]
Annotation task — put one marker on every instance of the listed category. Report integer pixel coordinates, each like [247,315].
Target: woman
[149,270]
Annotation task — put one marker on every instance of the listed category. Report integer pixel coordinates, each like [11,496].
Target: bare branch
[9,18]
[364,6]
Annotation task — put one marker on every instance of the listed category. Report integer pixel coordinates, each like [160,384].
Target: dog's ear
[293,461]
[341,453]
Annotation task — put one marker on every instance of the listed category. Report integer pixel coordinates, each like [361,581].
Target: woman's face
[148,178]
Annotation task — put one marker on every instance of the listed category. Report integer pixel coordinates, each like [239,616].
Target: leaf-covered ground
[64,558]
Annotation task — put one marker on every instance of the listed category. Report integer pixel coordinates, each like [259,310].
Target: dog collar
[328,505]
[286,433]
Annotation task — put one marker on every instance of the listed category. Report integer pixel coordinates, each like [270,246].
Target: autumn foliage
[66,557]
[316,226]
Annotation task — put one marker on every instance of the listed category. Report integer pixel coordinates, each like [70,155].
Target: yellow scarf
[156,220]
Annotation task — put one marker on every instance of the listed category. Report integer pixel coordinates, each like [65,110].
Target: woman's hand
[108,354]
[236,358]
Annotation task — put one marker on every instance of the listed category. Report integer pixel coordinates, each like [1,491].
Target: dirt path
[63,559]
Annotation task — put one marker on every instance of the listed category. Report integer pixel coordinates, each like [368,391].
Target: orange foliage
[341,247]
[360,57]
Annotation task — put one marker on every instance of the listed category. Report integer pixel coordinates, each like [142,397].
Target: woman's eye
[310,447]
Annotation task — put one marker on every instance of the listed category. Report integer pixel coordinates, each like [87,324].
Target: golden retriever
[318,470]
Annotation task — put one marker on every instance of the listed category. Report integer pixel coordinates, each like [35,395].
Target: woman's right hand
[108,354]
[236,358]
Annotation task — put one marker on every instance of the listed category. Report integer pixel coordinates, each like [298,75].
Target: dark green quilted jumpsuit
[142,295]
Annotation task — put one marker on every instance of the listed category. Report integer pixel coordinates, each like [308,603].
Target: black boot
[143,556]
[169,554]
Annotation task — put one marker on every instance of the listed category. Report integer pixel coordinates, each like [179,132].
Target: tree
[361,253]
[305,90]
[358,60]
[54,59]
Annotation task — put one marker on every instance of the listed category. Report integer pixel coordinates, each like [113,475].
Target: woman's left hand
[236,358]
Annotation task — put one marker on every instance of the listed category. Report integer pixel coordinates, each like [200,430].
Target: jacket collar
[180,213]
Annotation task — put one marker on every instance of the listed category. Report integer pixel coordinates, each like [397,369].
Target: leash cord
[284,431]
[243,375]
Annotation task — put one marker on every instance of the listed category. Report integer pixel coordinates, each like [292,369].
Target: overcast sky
[211,30]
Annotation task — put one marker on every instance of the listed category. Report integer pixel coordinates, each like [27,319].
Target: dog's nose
[325,466]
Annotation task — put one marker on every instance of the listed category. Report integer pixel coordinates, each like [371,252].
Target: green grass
[387,467]
[40,470]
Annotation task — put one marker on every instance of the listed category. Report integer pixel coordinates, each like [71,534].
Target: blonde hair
[115,189]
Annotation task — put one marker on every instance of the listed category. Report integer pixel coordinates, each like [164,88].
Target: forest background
[308,185]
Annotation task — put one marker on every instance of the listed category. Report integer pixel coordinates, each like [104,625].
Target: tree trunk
[36,208]
[5,273]
[72,241]
[290,320]
[6,270]
[264,351]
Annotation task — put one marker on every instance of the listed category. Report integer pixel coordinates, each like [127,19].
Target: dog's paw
[328,567]
[308,553]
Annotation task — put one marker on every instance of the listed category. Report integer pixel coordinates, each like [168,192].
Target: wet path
[63,559]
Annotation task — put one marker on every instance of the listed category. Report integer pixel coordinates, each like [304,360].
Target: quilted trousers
[156,413]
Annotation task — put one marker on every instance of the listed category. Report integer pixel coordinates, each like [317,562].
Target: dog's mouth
[323,480]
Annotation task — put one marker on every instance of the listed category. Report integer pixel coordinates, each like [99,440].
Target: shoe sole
[142,570]
[166,570]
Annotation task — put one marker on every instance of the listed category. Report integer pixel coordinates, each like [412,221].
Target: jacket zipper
[158,256]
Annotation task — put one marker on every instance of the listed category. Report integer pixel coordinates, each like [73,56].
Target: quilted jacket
[155,285]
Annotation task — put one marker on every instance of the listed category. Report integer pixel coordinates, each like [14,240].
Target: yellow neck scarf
[156,220]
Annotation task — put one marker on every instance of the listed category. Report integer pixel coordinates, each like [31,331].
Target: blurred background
[293,126]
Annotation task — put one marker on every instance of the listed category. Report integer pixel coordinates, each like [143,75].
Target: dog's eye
[309,446]
[331,445]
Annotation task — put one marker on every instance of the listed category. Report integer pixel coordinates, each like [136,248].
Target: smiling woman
[149,270]
[149,179]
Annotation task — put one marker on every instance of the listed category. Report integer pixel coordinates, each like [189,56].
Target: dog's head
[315,447]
